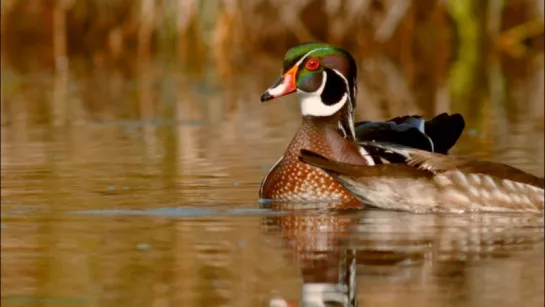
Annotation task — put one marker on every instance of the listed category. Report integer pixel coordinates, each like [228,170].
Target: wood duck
[324,77]
[431,182]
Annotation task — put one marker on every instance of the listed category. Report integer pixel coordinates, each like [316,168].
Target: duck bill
[284,86]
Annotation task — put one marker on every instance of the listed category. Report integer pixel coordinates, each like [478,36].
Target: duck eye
[312,64]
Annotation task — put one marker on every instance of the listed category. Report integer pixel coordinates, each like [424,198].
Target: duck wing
[436,135]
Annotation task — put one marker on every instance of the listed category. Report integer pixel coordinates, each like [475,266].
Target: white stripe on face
[306,55]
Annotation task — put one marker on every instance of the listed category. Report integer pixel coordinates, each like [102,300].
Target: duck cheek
[311,83]
[335,88]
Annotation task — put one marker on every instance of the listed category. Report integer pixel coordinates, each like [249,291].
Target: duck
[324,77]
[429,182]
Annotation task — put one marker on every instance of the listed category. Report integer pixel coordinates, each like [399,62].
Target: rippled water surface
[142,191]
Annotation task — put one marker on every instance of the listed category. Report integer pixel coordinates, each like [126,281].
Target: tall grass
[231,31]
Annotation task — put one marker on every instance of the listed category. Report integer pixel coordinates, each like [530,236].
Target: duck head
[324,77]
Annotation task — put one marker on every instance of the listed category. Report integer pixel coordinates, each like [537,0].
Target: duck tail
[444,130]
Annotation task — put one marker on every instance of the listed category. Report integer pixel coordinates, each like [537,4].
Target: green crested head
[296,52]
[323,75]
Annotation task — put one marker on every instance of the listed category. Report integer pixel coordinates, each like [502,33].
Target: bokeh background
[123,59]
[145,116]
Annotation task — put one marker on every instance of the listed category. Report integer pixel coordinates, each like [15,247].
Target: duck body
[292,180]
[431,182]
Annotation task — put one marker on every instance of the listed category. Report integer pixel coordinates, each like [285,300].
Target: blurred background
[66,61]
[145,116]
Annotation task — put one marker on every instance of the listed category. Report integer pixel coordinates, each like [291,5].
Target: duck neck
[321,121]
[317,133]
[342,119]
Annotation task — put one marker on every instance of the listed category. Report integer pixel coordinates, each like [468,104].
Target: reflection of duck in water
[395,250]
[324,76]
[328,268]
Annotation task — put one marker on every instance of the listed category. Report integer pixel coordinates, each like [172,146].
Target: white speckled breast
[292,180]
[296,181]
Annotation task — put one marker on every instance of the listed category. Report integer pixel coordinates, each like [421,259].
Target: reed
[230,31]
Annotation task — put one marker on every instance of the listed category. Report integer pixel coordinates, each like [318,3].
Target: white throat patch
[311,103]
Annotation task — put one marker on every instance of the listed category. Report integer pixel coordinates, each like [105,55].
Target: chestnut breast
[293,180]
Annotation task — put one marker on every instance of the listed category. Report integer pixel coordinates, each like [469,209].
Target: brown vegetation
[414,56]
[232,31]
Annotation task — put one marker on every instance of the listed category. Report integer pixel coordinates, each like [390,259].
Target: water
[141,190]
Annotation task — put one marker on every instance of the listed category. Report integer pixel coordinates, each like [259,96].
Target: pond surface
[143,191]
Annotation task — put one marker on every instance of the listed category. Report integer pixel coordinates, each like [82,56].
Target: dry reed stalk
[495,8]
[116,42]
[59,34]
[59,103]
[192,38]
[396,11]
[145,31]
[244,30]
[223,40]
[5,6]
[511,41]
[185,16]
[4,118]
[406,45]
[443,37]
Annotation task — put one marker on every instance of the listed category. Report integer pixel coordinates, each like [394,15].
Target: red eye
[312,64]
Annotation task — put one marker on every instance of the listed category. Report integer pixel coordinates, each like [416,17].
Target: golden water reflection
[121,191]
